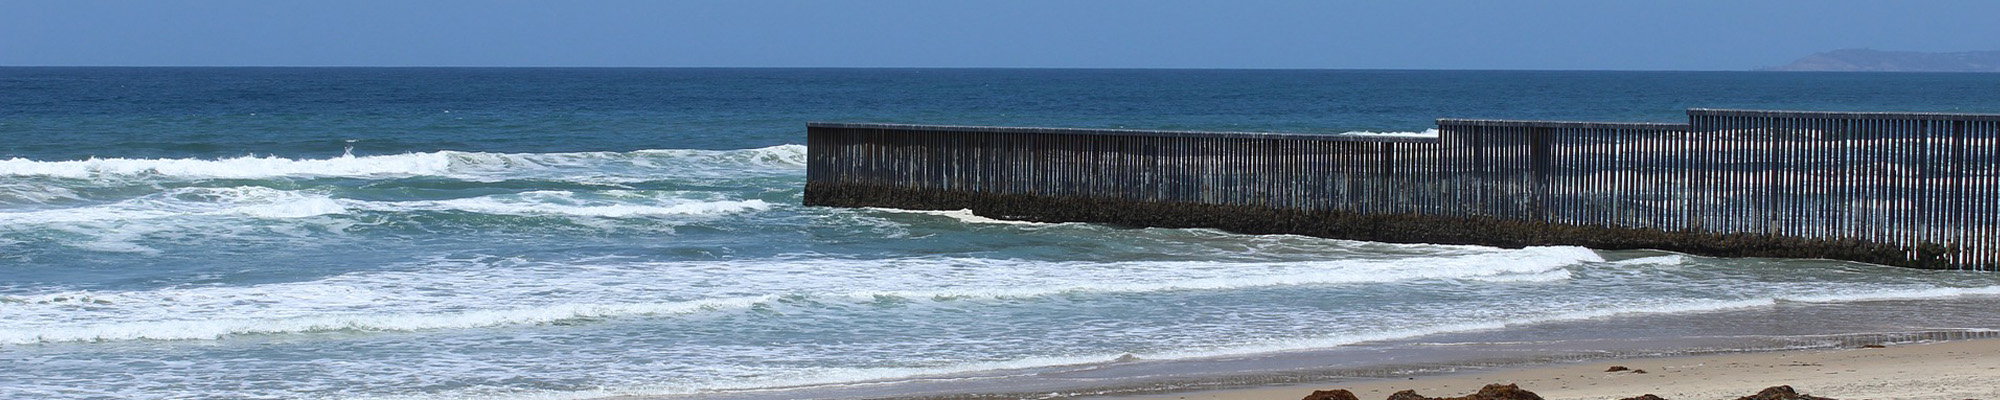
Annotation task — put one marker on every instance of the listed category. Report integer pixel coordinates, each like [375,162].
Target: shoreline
[1904,357]
[1458,363]
[1956,369]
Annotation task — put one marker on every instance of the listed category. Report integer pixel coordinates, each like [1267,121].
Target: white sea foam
[99,213]
[1894,294]
[1557,275]
[1671,259]
[492,295]
[115,243]
[268,203]
[245,167]
[21,192]
[491,292]
[1427,133]
[299,208]
[1449,327]
[559,202]
[962,215]
[1204,275]
[211,329]
[46,195]
[227,213]
[250,201]
[475,166]
[1656,307]
[393,301]
[818,376]
[758,380]
[458,294]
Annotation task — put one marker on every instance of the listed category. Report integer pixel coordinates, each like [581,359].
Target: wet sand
[1968,369]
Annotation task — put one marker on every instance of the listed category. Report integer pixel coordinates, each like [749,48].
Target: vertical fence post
[1540,161]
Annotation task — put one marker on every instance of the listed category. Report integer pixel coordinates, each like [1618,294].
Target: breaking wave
[474,166]
[268,203]
[1427,133]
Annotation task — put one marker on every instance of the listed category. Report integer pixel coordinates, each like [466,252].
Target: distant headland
[1867,60]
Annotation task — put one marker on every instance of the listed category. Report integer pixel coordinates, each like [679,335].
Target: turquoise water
[573,233]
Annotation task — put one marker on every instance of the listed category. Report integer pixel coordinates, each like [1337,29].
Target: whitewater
[976,295]
[573,234]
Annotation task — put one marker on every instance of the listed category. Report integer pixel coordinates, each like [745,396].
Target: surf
[476,166]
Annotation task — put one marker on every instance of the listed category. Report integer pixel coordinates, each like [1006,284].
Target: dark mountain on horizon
[1867,60]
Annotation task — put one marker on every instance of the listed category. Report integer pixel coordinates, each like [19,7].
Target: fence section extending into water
[1904,189]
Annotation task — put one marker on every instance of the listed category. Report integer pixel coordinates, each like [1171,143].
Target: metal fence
[1923,180]
[1921,185]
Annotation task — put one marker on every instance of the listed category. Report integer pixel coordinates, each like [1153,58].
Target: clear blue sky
[1406,34]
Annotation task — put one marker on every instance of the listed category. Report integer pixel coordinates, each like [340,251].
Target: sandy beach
[1967,369]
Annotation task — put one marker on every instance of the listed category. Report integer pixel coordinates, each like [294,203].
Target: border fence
[1905,189]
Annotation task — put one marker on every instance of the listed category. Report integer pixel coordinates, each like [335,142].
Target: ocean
[496,233]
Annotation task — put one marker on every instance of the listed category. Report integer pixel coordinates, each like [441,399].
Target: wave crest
[1427,133]
[267,203]
[478,166]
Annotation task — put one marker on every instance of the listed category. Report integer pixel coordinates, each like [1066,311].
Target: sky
[1402,34]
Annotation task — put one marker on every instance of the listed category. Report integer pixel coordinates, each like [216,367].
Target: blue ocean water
[448,233]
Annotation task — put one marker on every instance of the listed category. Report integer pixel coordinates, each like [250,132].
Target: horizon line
[890,67]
